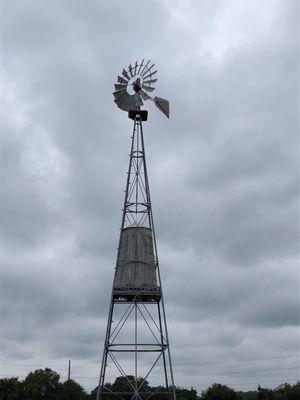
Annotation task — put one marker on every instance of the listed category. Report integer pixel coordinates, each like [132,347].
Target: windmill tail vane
[134,86]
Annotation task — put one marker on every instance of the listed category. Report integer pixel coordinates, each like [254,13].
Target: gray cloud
[223,173]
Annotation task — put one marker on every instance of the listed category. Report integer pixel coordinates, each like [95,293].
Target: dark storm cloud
[223,174]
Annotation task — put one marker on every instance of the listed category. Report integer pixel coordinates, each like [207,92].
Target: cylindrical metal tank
[135,263]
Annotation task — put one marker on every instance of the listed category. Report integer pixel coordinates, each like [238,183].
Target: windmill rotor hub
[137,85]
[134,84]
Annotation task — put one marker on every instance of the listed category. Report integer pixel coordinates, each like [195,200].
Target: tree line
[45,384]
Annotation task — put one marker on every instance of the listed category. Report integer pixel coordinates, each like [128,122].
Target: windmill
[134,86]
[136,341]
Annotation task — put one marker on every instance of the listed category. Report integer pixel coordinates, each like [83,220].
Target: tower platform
[137,295]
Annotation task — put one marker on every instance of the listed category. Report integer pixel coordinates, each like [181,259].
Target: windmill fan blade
[142,63]
[151,81]
[119,93]
[126,101]
[148,88]
[150,75]
[147,70]
[142,72]
[144,95]
[162,105]
[133,101]
[122,80]
[124,72]
[120,86]
[130,70]
[138,100]
[135,67]
[119,100]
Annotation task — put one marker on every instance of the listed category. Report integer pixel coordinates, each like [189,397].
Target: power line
[225,361]
[288,380]
[212,373]
[246,372]
[32,365]
[240,360]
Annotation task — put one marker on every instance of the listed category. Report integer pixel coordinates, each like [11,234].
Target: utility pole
[69,370]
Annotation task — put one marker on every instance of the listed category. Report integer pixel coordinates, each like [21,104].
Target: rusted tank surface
[135,263]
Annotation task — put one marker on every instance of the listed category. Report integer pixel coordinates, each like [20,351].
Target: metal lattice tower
[136,341]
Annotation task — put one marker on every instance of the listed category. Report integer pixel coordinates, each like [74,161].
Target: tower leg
[162,343]
[105,350]
[136,353]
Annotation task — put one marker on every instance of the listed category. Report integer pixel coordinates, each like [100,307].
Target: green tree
[219,392]
[42,384]
[11,389]
[123,384]
[266,394]
[186,394]
[93,394]
[294,392]
[251,395]
[282,392]
[71,390]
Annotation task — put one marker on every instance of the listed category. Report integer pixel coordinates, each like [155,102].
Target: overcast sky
[224,177]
